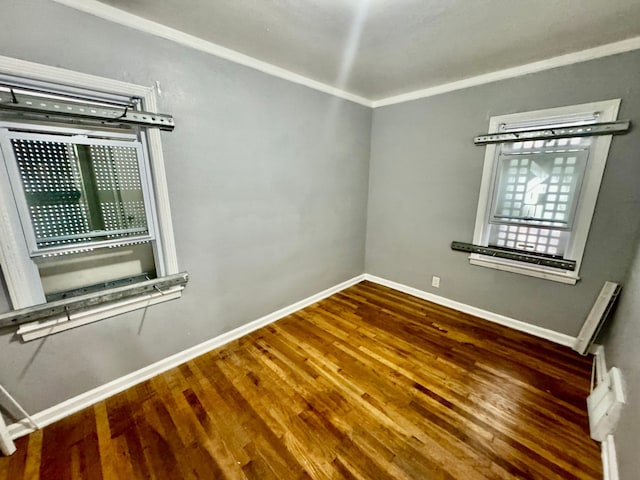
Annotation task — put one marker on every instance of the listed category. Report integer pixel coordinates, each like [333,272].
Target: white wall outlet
[435,282]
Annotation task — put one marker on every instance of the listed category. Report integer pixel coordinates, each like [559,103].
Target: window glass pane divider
[29,127]
[73,139]
[151,206]
[80,246]
[147,191]
[92,234]
[528,222]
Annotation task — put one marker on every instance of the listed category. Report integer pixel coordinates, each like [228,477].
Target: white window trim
[20,273]
[608,112]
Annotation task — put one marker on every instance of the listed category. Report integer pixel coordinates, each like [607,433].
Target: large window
[538,196]
[83,201]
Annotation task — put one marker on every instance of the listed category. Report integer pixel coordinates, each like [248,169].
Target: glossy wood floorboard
[367,384]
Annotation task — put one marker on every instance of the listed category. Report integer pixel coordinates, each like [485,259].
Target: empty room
[320,239]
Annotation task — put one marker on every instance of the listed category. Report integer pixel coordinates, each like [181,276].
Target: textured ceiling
[380,48]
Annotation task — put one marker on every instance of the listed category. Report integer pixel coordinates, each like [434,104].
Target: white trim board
[121,17]
[606,50]
[136,22]
[607,447]
[556,337]
[84,400]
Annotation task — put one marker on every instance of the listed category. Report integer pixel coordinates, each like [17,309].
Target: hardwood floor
[367,384]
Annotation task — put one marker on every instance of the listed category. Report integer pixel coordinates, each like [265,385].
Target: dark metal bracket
[513,255]
[62,307]
[605,128]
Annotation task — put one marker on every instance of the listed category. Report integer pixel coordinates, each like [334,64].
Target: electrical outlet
[435,282]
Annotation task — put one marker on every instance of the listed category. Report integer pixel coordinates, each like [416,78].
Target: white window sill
[34,330]
[504,264]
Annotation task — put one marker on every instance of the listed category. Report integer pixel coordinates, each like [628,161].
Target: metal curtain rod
[605,128]
[62,307]
[25,103]
[513,255]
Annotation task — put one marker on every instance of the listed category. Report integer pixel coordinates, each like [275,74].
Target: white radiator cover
[604,405]
[597,316]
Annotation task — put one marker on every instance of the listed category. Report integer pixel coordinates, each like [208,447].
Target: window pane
[543,172]
[81,192]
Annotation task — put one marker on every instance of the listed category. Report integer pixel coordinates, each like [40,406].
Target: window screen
[79,191]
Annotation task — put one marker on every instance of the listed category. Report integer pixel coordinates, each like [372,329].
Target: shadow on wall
[4,296]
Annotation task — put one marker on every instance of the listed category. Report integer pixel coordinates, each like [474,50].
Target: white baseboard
[540,332]
[609,459]
[608,448]
[75,404]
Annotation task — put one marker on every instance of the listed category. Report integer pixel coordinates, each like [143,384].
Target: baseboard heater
[597,316]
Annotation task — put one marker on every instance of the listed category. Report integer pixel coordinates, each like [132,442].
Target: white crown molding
[121,17]
[107,12]
[47,73]
[84,400]
[563,60]
[556,337]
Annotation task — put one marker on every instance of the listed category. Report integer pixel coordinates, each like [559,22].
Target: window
[77,190]
[537,196]
[83,202]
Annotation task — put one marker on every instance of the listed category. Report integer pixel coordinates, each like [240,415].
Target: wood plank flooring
[367,384]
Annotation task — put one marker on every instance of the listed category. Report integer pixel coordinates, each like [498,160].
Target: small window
[538,196]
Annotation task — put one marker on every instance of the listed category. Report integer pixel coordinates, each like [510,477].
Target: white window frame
[20,272]
[607,111]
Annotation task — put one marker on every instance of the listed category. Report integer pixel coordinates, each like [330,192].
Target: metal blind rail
[21,102]
[607,128]
[521,257]
[61,307]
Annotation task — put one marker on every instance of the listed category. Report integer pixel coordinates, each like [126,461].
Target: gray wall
[268,189]
[622,349]
[425,178]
